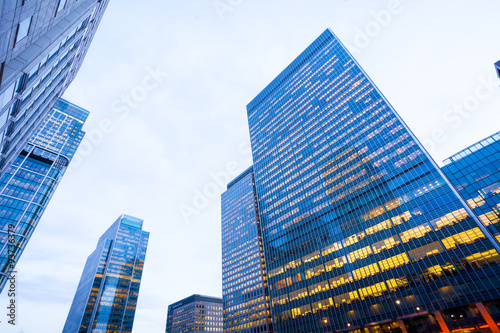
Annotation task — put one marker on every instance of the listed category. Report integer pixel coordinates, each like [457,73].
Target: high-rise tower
[361,230]
[106,297]
[475,173]
[244,281]
[42,46]
[28,185]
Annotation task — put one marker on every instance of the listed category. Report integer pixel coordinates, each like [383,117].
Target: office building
[361,230]
[497,67]
[475,173]
[42,46]
[28,185]
[244,281]
[195,313]
[106,297]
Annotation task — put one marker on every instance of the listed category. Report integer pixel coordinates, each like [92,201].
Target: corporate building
[28,185]
[475,173]
[244,282]
[361,230]
[195,313]
[42,46]
[106,297]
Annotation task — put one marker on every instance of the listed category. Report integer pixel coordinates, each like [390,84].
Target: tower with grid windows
[42,46]
[30,182]
[195,313]
[244,278]
[361,230]
[106,297]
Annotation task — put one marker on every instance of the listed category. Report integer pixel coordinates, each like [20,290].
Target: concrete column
[402,325]
[487,317]
[441,322]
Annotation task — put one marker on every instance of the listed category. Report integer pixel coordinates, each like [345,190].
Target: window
[3,120]
[61,5]
[23,29]
[7,95]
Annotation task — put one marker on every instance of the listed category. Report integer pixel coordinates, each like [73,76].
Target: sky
[167,84]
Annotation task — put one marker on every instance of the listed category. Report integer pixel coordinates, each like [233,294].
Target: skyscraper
[42,46]
[28,185]
[106,297]
[361,230]
[475,173]
[244,281]
[195,313]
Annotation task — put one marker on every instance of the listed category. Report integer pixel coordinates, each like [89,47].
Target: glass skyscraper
[195,313]
[244,281]
[361,230]
[28,185]
[106,297]
[475,173]
[42,46]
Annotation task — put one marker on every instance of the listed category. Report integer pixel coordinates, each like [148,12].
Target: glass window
[6,97]
[61,5]
[23,29]
[33,72]
[3,119]
[43,62]
[54,51]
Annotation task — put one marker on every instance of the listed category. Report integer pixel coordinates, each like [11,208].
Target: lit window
[23,29]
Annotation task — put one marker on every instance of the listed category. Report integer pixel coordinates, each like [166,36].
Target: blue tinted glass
[326,143]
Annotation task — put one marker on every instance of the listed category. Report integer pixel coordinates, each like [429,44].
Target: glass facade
[244,281]
[42,46]
[195,313]
[475,173]
[28,185]
[361,230]
[106,297]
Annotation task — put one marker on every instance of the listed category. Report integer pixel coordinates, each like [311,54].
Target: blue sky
[167,84]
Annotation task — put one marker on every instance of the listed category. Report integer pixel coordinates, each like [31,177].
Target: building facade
[42,46]
[361,230]
[106,297]
[28,185]
[195,313]
[244,281]
[475,173]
